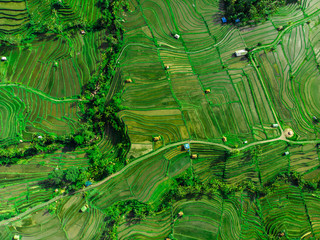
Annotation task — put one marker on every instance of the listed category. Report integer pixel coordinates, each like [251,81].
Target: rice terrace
[159,119]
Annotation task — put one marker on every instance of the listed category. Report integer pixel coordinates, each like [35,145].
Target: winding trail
[140,159]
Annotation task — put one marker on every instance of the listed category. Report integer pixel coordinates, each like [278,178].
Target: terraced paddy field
[221,147]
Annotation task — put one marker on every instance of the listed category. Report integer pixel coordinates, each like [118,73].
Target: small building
[275,125]
[167,67]
[224,139]
[84,208]
[223,20]
[3,59]
[315,118]
[286,153]
[176,36]
[88,183]
[167,238]
[40,137]
[207,91]
[82,32]
[16,237]
[180,214]
[194,156]
[128,80]
[280,28]
[245,142]
[156,139]
[186,146]
[241,52]
[56,190]
[21,141]
[237,20]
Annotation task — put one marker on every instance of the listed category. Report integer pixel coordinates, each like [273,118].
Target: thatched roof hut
[82,32]
[180,214]
[280,28]
[193,156]
[128,80]
[16,237]
[224,139]
[84,208]
[156,139]
[207,91]
[167,67]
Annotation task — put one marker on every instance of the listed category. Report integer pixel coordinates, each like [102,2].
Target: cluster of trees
[47,143]
[133,211]
[70,179]
[252,11]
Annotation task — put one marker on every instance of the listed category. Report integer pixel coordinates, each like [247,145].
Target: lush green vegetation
[103,91]
[248,11]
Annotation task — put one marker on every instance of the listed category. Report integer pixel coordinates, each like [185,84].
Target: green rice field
[219,146]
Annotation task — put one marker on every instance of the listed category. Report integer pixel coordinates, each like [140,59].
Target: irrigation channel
[281,138]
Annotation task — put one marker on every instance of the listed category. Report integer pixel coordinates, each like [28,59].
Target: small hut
[224,139]
[16,237]
[167,238]
[223,20]
[280,28]
[186,146]
[3,59]
[129,80]
[167,67]
[40,137]
[21,141]
[176,36]
[315,118]
[180,214]
[194,156]
[245,142]
[207,91]
[275,125]
[88,183]
[241,52]
[281,234]
[84,208]
[56,190]
[286,153]
[82,32]
[156,139]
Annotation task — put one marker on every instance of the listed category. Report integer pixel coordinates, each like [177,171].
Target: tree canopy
[251,10]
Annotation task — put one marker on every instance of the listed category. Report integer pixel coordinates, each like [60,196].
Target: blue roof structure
[186,146]
[237,20]
[88,183]
[224,20]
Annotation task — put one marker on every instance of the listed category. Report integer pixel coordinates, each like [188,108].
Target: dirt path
[40,93]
